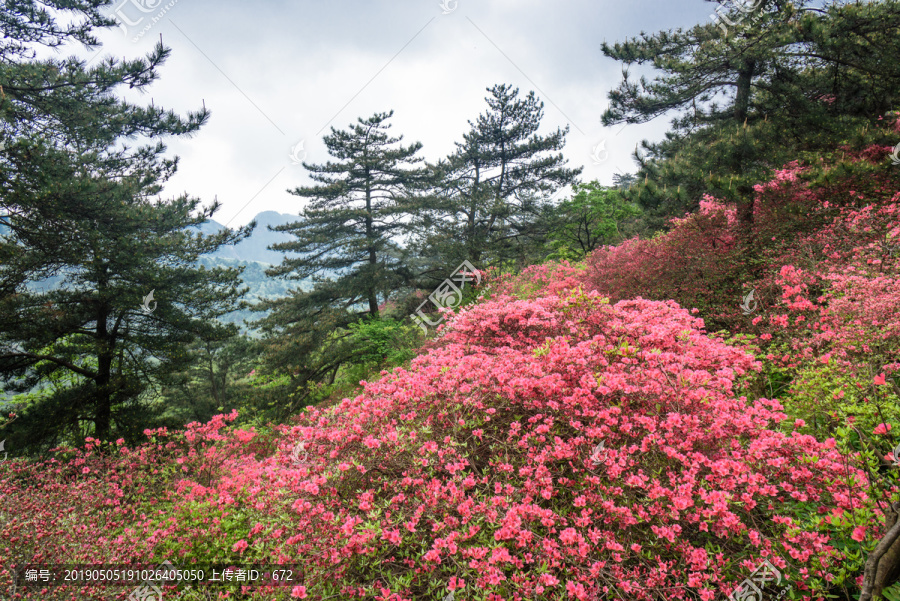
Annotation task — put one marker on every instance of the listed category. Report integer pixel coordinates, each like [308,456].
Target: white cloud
[276,72]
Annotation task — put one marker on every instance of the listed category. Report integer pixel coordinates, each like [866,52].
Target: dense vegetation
[642,391]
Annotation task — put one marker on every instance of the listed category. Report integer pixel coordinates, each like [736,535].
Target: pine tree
[784,78]
[491,201]
[349,242]
[79,203]
[357,213]
[131,300]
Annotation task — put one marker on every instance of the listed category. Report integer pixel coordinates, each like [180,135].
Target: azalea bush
[552,277]
[831,323]
[697,263]
[108,504]
[556,447]
[574,434]
[823,266]
[814,215]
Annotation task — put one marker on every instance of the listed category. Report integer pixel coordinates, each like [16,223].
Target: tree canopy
[80,201]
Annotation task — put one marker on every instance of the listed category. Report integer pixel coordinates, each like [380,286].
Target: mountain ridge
[254,248]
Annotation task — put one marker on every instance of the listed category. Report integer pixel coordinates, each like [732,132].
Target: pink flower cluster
[478,468]
[552,443]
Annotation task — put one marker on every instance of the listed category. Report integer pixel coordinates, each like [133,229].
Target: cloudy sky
[276,73]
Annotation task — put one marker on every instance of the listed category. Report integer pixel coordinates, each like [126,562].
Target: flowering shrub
[833,323]
[694,264]
[550,444]
[700,262]
[114,505]
[554,448]
[824,275]
[823,261]
[538,280]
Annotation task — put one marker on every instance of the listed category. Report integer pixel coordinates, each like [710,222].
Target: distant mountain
[252,253]
[261,287]
[256,246]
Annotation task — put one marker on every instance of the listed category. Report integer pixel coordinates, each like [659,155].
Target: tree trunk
[883,565]
[103,410]
[744,193]
[370,240]
[473,249]
[742,97]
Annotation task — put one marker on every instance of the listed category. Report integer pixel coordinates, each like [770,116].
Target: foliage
[701,263]
[823,317]
[490,205]
[216,380]
[378,341]
[479,470]
[580,433]
[787,80]
[78,199]
[593,217]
